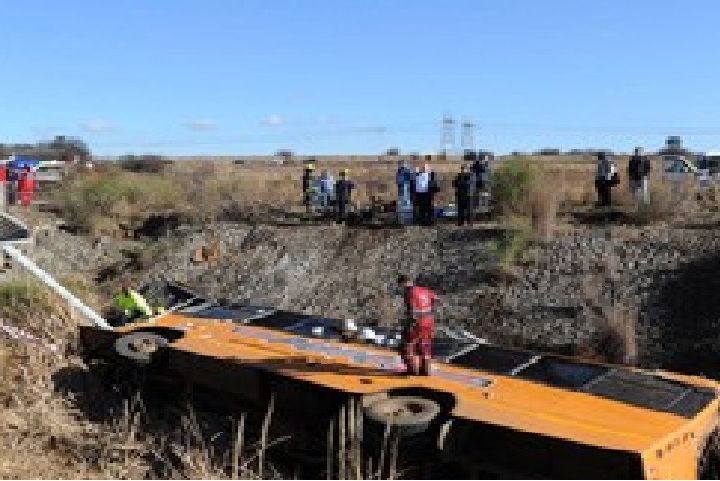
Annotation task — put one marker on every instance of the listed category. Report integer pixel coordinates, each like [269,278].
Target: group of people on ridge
[416,191]
[327,192]
[607,177]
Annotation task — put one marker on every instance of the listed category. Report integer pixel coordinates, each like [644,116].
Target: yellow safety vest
[133,302]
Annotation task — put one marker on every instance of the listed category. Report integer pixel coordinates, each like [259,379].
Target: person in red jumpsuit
[418,327]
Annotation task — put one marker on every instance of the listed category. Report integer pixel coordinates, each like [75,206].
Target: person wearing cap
[417,327]
[343,195]
[308,181]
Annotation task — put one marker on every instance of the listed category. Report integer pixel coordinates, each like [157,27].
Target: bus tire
[406,415]
[139,347]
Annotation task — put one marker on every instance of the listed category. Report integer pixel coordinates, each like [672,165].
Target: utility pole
[448,135]
[467,136]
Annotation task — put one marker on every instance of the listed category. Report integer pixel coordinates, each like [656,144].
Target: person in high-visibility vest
[132,304]
[418,326]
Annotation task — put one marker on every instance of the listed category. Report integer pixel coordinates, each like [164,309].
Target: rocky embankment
[645,295]
[627,294]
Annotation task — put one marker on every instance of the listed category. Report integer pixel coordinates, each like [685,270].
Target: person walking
[417,327]
[463,190]
[638,175]
[343,195]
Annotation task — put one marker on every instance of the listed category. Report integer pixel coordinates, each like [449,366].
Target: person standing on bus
[418,327]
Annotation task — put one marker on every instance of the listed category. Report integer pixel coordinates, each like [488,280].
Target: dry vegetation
[61,419]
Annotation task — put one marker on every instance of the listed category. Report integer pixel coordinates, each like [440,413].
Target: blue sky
[327,76]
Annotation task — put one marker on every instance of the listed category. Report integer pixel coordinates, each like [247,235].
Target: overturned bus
[508,412]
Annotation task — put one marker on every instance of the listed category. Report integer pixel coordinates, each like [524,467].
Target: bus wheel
[139,347]
[407,415]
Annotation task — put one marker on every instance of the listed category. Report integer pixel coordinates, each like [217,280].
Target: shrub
[19,296]
[510,184]
[94,201]
[521,189]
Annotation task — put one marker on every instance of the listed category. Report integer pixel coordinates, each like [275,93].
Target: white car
[678,164]
[709,165]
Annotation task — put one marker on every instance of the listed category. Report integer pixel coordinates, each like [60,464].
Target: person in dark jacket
[308,185]
[638,174]
[413,195]
[605,179]
[403,178]
[480,170]
[463,190]
[343,195]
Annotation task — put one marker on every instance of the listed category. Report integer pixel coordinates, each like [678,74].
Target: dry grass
[203,192]
[60,420]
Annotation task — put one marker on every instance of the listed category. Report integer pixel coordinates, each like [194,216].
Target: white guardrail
[8,247]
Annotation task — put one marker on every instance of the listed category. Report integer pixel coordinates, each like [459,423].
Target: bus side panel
[509,452]
[217,374]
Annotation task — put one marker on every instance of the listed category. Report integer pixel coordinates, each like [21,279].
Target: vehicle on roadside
[504,411]
[678,164]
[709,165]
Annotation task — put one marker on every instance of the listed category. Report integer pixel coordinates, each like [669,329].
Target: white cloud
[201,125]
[274,120]
[97,126]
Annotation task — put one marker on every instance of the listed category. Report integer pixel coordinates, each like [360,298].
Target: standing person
[343,195]
[418,326]
[638,174]
[403,180]
[413,195]
[434,189]
[308,181]
[603,178]
[327,189]
[480,170]
[613,179]
[463,191]
[423,195]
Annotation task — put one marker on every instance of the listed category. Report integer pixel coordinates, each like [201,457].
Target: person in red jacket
[418,327]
